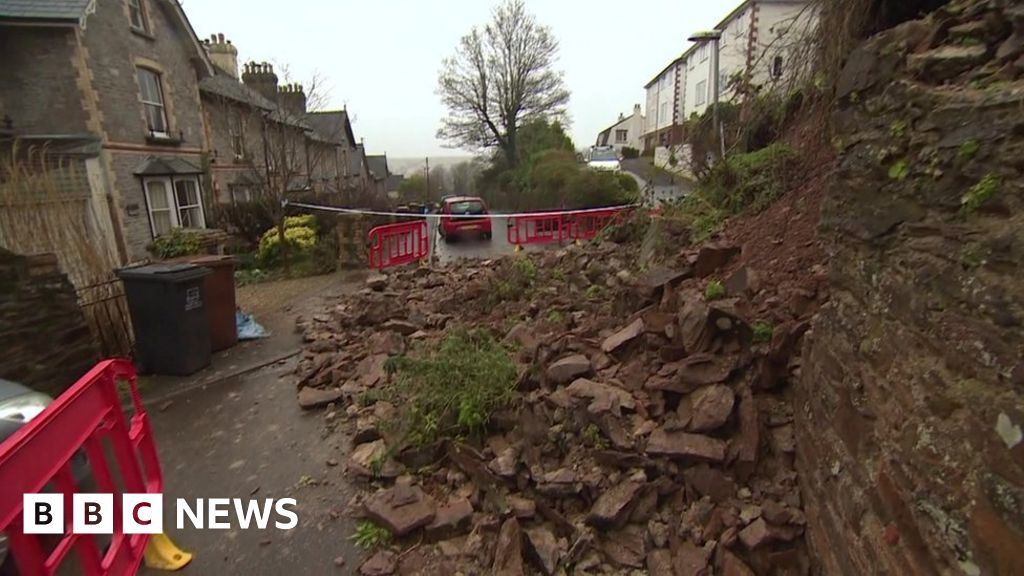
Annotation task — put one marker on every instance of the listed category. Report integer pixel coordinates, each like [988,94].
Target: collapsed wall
[911,397]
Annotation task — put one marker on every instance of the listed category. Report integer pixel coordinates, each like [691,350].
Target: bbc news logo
[144,513]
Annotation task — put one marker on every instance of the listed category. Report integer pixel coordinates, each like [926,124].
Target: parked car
[604,159]
[464,216]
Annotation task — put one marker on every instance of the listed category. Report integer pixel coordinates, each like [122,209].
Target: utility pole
[426,173]
[713,37]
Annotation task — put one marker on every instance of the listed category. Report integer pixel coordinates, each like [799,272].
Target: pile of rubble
[649,434]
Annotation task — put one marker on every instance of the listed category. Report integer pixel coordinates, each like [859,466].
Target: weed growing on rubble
[593,437]
[979,193]
[369,535]
[454,389]
[968,149]
[555,317]
[899,171]
[594,291]
[517,282]
[762,331]
[715,290]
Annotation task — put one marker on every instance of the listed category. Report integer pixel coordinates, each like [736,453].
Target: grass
[555,317]
[715,290]
[454,389]
[899,171]
[980,193]
[593,437]
[516,282]
[762,331]
[369,535]
[968,150]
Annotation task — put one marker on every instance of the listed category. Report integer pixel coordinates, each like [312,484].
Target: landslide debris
[568,412]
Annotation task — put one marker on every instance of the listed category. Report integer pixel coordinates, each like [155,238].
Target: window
[702,93]
[240,193]
[621,136]
[138,19]
[702,52]
[173,203]
[153,101]
[691,61]
[663,113]
[723,82]
[777,67]
[237,133]
[190,208]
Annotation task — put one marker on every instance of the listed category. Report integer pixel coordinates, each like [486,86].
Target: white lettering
[218,508]
[262,515]
[184,509]
[282,510]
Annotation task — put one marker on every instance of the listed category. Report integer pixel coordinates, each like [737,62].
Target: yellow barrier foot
[518,248]
[162,554]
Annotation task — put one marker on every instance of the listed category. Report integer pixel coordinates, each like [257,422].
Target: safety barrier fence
[84,441]
[398,244]
[548,227]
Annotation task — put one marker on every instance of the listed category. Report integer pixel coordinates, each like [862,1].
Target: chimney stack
[293,99]
[636,109]
[223,54]
[261,78]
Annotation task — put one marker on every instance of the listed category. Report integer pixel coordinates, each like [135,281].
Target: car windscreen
[603,156]
[468,207]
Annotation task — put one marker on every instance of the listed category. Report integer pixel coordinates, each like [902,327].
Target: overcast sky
[381,57]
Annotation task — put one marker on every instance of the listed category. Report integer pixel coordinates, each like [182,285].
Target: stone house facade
[126,74]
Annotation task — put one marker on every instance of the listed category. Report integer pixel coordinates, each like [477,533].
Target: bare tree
[498,78]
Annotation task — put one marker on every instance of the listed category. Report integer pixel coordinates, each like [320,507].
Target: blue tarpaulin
[248,327]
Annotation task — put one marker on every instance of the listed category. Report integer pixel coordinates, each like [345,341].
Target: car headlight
[24,407]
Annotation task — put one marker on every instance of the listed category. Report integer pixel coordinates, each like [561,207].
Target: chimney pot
[220,38]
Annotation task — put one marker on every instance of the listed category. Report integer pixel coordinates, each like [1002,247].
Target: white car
[604,159]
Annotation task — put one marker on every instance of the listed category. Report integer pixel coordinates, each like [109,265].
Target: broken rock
[691,560]
[603,397]
[391,509]
[712,257]
[450,518]
[627,334]
[382,563]
[568,368]
[313,397]
[371,460]
[685,445]
[612,509]
[543,549]
[508,555]
[710,408]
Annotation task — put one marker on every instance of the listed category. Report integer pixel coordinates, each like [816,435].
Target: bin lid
[207,260]
[163,272]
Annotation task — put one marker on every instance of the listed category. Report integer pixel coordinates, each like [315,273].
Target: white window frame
[703,51]
[135,8]
[161,103]
[624,134]
[701,96]
[170,188]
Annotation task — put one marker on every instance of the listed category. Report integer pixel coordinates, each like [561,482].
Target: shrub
[453,390]
[980,193]
[629,152]
[715,290]
[594,189]
[178,242]
[369,535]
[762,331]
[749,179]
[300,239]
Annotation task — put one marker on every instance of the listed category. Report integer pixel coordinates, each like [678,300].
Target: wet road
[473,248]
[247,438]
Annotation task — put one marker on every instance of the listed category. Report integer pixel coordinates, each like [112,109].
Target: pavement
[235,430]
[247,438]
[659,186]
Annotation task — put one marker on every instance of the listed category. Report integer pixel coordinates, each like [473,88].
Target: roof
[378,166]
[394,182]
[162,165]
[451,199]
[665,69]
[69,12]
[229,87]
[332,124]
[357,160]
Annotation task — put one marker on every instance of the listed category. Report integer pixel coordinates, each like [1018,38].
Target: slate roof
[228,87]
[331,124]
[70,11]
[378,166]
[357,160]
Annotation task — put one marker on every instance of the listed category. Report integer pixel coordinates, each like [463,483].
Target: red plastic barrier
[45,455]
[559,227]
[397,244]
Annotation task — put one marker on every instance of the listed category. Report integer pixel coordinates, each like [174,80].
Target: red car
[464,216]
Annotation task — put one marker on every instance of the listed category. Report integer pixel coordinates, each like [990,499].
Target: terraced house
[161,125]
[115,82]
